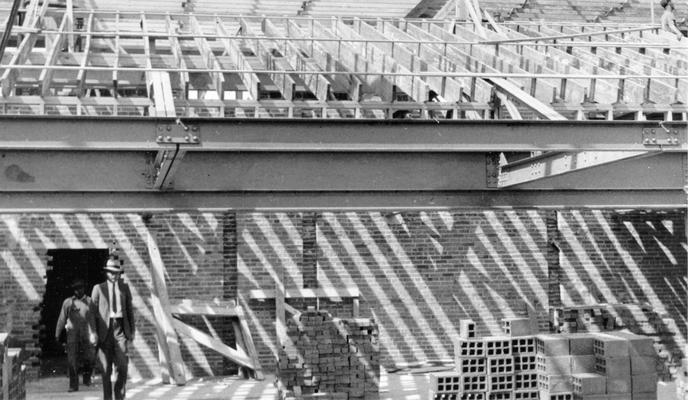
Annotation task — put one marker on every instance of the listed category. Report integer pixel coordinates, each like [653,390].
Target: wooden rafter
[81,75]
[249,78]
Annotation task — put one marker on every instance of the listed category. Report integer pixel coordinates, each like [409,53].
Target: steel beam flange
[177,133]
[663,136]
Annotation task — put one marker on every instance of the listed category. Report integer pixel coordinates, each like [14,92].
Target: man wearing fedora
[115,325]
[77,318]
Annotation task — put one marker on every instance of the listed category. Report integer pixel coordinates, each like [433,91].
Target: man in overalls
[78,319]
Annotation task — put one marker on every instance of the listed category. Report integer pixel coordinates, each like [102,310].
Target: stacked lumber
[329,358]
[490,367]
[13,376]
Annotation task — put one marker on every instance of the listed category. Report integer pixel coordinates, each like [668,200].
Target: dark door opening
[67,266]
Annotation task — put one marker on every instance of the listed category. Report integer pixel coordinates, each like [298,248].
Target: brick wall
[418,272]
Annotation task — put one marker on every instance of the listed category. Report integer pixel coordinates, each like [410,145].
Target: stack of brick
[491,367]
[329,358]
[581,319]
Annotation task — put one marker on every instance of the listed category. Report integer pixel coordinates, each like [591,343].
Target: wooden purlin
[262,49]
[210,61]
[605,90]
[351,57]
[317,84]
[249,79]
[326,62]
[178,54]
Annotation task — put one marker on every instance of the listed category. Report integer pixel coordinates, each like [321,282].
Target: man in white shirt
[115,325]
[669,19]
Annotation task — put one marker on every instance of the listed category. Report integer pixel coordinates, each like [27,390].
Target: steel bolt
[169,128]
[652,131]
[195,139]
[186,128]
[654,140]
[187,138]
[194,128]
[646,141]
[168,138]
[160,128]
[160,138]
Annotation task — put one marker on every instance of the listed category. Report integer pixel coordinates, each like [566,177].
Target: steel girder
[86,164]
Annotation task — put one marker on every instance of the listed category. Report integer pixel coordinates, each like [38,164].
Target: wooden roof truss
[74,62]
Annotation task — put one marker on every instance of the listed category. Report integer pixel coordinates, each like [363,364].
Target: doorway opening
[67,266]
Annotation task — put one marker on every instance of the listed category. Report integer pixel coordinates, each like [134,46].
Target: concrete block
[552,345]
[525,382]
[500,383]
[582,364]
[620,396]
[473,383]
[467,329]
[586,384]
[444,381]
[497,345]
[469,348]
[618,385]
[638,345]
[643,365]
[605,345]
[545,395]
[613,366]
[644,396]
[525,363]
[526,395]
[581,344]
[500,365]
[516,327]
[554,365]
[471,365]
[644,383]
[555,383]
[523,345]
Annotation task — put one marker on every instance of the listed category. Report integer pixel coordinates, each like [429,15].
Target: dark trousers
[79,351]
[113,350]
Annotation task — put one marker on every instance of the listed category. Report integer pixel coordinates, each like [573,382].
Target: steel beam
[291,171]
[324,201]
[115,134]
[554,163]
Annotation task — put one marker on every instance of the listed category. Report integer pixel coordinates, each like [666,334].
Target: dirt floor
[406,385]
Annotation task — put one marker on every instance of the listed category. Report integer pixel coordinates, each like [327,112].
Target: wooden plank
[163,348]
[177,53]
[189,307]
[162,314]
[212,343]
[306,293]
[240,346]
[6,366]
[251,348]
